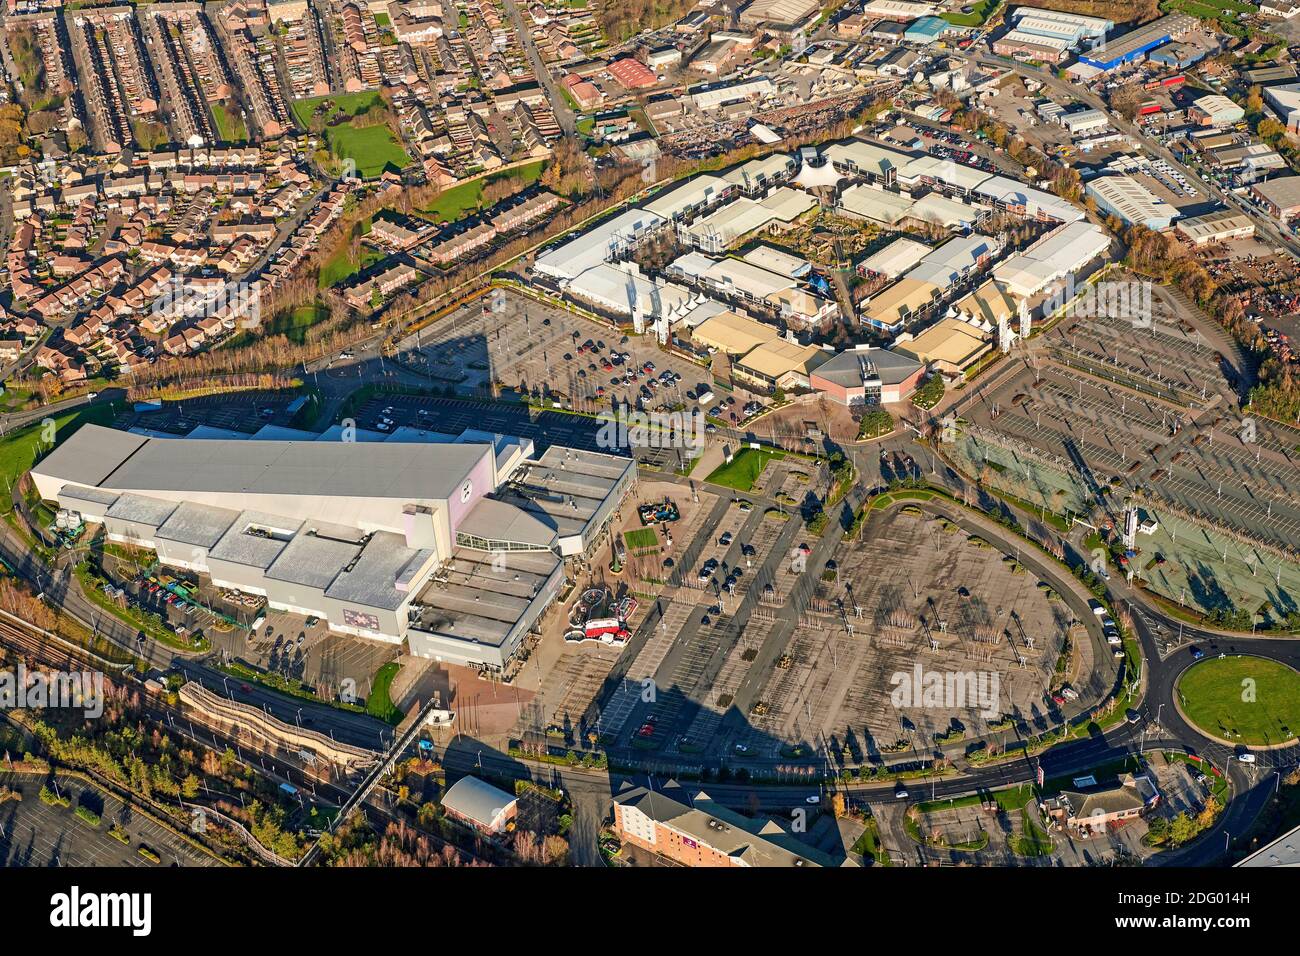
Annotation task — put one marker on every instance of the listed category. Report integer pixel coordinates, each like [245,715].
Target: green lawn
[19,450]
[1012,798]
[15,396]
[373,148]
[379,704]
[459,201]
[929,394]
[230,125]
[1246,700]
[353,104]
[743,470]
[981,10]
[296,323]
[1033,840]
[641,539]
[342,266]
[869,845]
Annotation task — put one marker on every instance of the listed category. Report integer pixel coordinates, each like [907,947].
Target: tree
[1181,829]
[1127,100]
[1205,819]
[1254,101]
[427,815]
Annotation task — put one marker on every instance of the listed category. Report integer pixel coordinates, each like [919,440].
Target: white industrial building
[896,258]
[941,210]
[1128,199]
[753,178]
[621,289]
[1071,28]
[898,9]
[599,244]
[1024,200]
[935,171]
[400,539]
[1065,251]
[1084,121]
[857,157]
[714,96]
[690,197]
[862,201]
[743,280]
[1219,226]
[778,261]
[1284,101]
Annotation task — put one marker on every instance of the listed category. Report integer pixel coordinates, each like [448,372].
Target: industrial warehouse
[455,544]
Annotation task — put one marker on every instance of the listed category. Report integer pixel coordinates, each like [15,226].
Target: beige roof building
[780,363]
[989,305]
[951,345]
[733,333]
[890,310]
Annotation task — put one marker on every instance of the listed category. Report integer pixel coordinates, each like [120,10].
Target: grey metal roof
[335,433]
[1284,851]
[589,462]
[90,455]
[281,433]
[372,581]
[499,521]
[312,561]
[90,495]
[238,546]
[476,800]
[140,509]
[197,524]
[846,368]
[329,469]
[471,599]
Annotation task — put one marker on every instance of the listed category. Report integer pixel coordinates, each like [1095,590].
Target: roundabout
[1241,700]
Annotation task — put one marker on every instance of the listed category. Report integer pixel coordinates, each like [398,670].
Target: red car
[646,730]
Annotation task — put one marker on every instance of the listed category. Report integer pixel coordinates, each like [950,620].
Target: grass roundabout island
[1242,700]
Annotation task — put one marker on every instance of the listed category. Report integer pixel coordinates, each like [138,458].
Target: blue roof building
[1133,46]
[926,30]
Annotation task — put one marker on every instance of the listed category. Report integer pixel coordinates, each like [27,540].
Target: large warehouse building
[1072,28]
[1125,197]
[1133,46]
[455,544]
